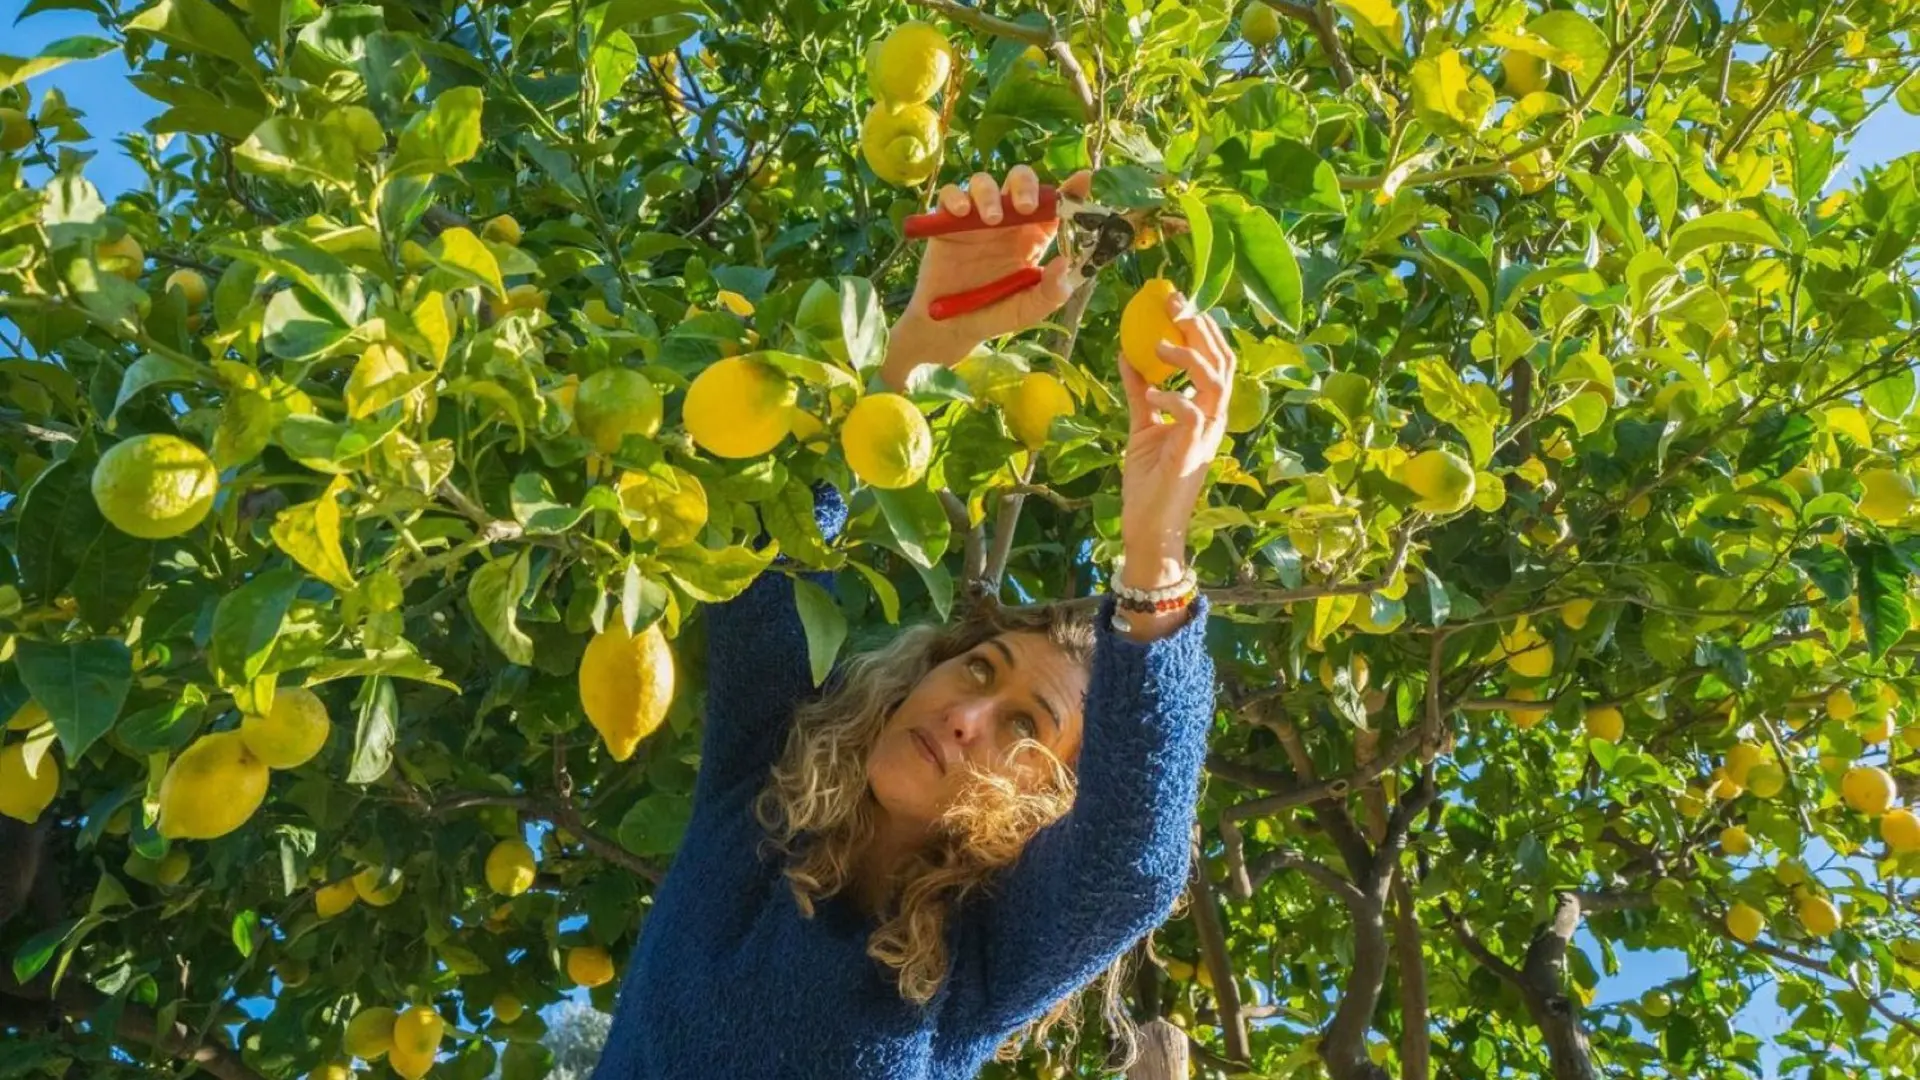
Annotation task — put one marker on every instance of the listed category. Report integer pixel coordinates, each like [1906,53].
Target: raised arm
[1095,882]
[757,667]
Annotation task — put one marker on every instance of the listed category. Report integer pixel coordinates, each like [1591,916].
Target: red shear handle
[962,303]
[941,223]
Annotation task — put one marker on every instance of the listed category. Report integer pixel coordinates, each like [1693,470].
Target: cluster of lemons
[901,135]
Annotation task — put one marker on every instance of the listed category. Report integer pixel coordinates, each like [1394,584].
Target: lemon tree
[1562,556]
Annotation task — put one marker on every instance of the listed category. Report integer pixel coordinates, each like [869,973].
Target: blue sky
[99,89]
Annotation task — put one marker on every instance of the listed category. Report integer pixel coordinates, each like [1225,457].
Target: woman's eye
[1026,727]
[980,668]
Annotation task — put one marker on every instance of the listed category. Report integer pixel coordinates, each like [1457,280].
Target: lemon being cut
[626,685]
[1144,324]
[212,788]
[901,143]
[613,403]
[910,65]
[886,441]
[291,732]
[155,486]
[739,407]
[25,791]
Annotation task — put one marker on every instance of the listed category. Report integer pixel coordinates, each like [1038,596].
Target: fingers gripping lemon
[626,684]
[155,486]
[1144,324]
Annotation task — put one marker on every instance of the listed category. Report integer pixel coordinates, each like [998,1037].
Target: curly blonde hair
[820,814]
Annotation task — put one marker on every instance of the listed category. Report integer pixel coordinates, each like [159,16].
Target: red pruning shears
[1090,235]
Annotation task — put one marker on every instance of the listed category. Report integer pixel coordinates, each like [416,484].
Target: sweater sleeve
[757,667]
[1090,885]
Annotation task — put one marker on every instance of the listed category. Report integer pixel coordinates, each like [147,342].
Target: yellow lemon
[1605,723]
[24,791]
[1840,704]
[613,403]
[1528,654]
[626,684]
[154,486]
[1790,874]
[507,1008]
[1525,73]
[370,1033]
[1885,496]
[291,732]
[807,429]
[886,441]
[16,130]
[911,64]
[1735,841]
[1259,25]
[192,287]
[1742,758]
[1033,404]
[1441,478]
[1901,830]
[1744,923]
[334,1071]
[1724,787]
[740,407]
[1144,324]
[510,868]
[1691,803]
[1818,916]
[1877,730]
[212,788]
[589,966]
[1766,780]
[526,297]
[28,716]
[417,1031]
[901,143]
[599,314]
[501,230]
[366,885]
[1867,789]
[124,257]
[331,900]
[1656,1003]
[1575,613]
[1525,718]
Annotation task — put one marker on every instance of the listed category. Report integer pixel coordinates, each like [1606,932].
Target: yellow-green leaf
[1378,23]
[461,254]
[310,533]
[1450,95]
[1720,227]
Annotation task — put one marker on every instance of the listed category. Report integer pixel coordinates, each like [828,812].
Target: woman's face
[970,711]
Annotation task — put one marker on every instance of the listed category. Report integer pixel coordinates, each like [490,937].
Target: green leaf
[1883,587]
[494,592]
[153,370]
[1378,23]
[247,623]
[443,136]
[1776,442]
[883,589]
[1466,260]
[919,523]
[825,625]
[297,326]
[196,26]
[37,951]
[655,825]
[525,1061]
[296,258]
[1892,397]
[714,577]
[1585,45]
[1828,568]
[1449,95]
[376,710]
[1267,265]
[16,70]
[1300,179]
[657,26]
[111,576]
[246,931]
[462,254]
[57,515]
[299,151]
[81,684]
[1720,227]
[1200,235]
[1220,263]
[789,519]
[310,532]
[845,317]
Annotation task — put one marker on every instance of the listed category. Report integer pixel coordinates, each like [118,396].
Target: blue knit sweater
[729,980]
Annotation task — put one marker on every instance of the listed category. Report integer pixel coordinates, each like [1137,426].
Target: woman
[888,879]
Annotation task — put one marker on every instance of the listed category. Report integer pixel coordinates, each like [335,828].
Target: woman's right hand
[967,260]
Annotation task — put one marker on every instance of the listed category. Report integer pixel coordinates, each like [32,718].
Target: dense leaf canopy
[1470,762]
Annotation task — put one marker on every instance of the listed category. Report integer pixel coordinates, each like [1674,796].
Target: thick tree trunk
[1416,1040]
[1344,1047]
[1543,984]
[1163,1052]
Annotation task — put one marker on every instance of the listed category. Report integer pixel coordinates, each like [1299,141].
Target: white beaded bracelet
[1149,596]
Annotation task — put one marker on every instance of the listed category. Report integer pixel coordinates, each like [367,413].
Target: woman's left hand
[1166,462]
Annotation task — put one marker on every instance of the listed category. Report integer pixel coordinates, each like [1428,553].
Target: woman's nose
[971,720]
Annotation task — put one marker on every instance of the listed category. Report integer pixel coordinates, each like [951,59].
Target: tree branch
[1213,953]
[1416,1038]
[973,573]
[136,1024]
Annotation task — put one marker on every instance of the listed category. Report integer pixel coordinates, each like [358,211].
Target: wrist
[915,339]
[1153,569]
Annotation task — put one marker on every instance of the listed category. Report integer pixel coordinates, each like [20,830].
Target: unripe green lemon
[155,486]
[613,403]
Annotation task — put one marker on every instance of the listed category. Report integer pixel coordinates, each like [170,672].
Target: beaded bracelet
[1149,601]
